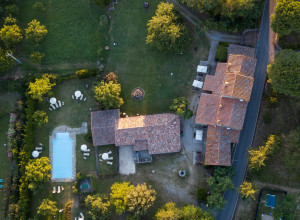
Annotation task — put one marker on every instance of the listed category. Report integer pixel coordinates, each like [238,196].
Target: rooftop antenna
[9,55]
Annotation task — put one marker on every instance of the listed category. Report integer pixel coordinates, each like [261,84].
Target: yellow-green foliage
[11,34]
[97,206]
[118,196]
[47,207]
[247,190]
[258,157]
[40,118]
[36,57]
[38,171]
[140,199]
[168,212]
[41,86]
[108,94]
[36,31]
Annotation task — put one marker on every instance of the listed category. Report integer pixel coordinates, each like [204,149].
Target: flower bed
[11,133]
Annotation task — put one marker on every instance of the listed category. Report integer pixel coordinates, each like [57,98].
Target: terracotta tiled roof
[241,64]
[215,82]
[160,131]
[103,124]
[242,50]
[238,86]
[218,140]
[140,145]
[207,109]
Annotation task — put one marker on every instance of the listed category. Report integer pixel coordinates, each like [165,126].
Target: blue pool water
[62,156]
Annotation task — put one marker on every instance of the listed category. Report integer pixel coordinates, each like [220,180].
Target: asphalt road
[240,157]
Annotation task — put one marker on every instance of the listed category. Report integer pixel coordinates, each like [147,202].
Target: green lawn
[138,65]
[74,32]
[8,103]
[104,168]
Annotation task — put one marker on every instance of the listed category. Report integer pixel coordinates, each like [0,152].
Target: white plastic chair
[110,163]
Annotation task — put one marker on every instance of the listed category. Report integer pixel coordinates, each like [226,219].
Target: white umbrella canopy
[35,154]
[53,100]
[77,93]
[83,147]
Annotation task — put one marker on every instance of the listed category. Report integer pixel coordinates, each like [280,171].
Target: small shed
[197,84]
[201,69]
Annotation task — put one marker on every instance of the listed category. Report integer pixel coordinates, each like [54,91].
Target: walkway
[275,186]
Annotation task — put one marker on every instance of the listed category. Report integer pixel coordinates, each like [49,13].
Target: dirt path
[284,188]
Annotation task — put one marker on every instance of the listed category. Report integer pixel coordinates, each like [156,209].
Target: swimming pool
[62,154]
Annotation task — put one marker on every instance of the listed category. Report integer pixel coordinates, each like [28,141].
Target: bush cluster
[86,73]
[221,54]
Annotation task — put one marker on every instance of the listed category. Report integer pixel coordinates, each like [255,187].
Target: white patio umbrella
[83,147]
[77,93]
[35,153]
[52,100]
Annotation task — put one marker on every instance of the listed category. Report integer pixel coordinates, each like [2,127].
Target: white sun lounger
[86,154]
[81,96]
[54,189]
[84,99]
[72,96]
[110,158]
[50,109]
[52,106]
[58,189]
[84,158]
[110,163]
[59,103]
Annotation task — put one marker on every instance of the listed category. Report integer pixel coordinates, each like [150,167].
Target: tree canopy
[108,94]
[6,63]
[190,212]
[286,17]
[47,207]
[165,32]
[247,190]
[40,118]
[180,106]
[284,73]
[38,171]
[36,31]
[218,184]
[168,211]
[140,198]
[11,34]
[258,158]
[118,196]
[98,207]
[41,86]
[227,14]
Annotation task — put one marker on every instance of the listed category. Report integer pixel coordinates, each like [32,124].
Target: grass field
[74,32]
[138,65]
[8,103]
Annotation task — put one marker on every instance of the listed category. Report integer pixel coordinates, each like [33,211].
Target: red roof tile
[215,82]
[103,124]
[207,109]
[241,50]
[240,64]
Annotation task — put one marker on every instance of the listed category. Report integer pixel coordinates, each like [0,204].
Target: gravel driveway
[126,160]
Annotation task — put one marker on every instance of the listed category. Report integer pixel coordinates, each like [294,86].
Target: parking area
[126,160]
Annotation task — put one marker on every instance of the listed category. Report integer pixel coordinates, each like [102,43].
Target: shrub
[86,73]
[267,118]
[12,9]
[221,54]
[102,2]
[201,195]
[111,77]
[38,6]
[36,57]
[68,211]
[273,102]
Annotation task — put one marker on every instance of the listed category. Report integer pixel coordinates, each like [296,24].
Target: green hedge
[86,73]
[285,45]
[221,54]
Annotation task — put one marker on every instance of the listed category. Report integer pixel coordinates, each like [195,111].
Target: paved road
[247,134]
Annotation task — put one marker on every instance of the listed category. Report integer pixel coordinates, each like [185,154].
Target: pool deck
[72,131]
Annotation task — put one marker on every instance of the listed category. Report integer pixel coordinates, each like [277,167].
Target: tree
[13,211]
[168,212]
[285,207]
[40,118]
[247,190]
[227,14]
[286,17]
[10,20]
[165,32]
[6,63]
[108,94]
[47,207]
[190,212]
[111,77]
[36,31]
[36,57]
[118,196]
[273,144]
[38,171]
[98,207]
[218,184]
[41,86]
[284,73]
[140,198]
[11,34]
[258,157]
[180,106]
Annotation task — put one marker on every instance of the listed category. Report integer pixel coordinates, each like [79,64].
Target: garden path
[284,188]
